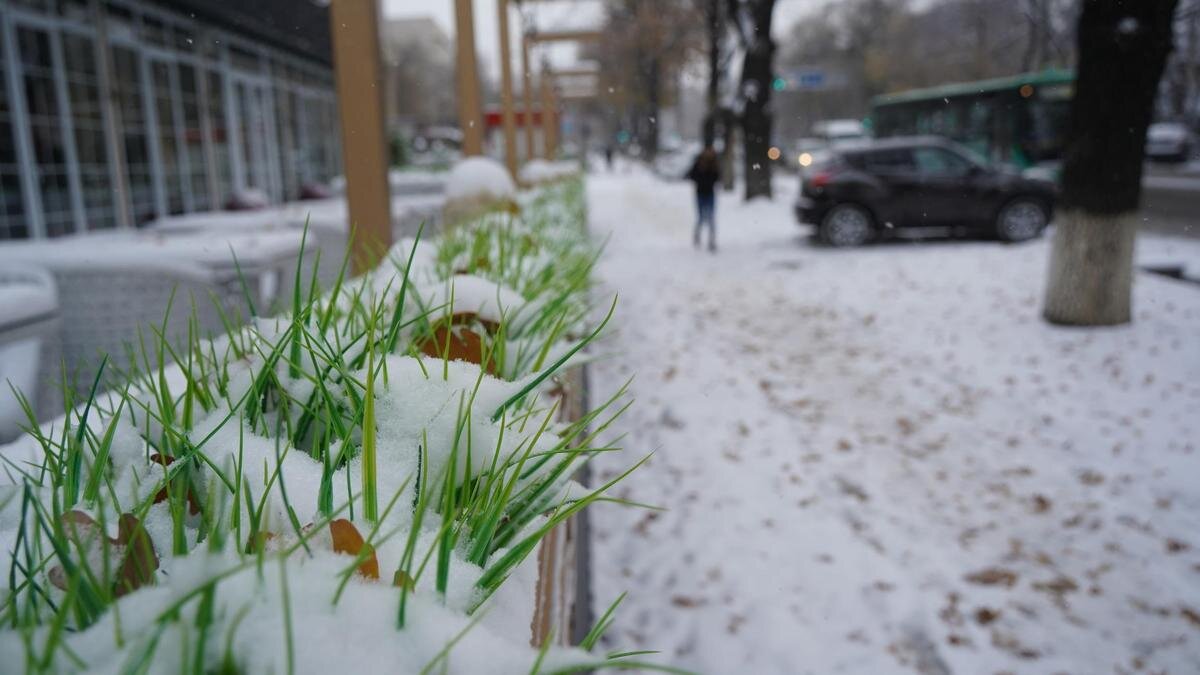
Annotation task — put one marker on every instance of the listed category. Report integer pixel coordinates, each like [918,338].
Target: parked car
[1169,142]
[808,151]
[900,185]
[840,133]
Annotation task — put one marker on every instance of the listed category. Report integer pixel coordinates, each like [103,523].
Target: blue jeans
[705,215]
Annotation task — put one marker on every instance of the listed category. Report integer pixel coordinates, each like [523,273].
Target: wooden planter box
[562,608]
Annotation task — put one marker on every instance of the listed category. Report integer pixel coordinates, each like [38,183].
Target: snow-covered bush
[356,486]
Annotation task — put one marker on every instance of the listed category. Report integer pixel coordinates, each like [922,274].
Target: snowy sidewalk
[881,460]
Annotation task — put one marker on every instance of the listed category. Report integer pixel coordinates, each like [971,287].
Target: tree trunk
[1031,40]
[712,17]
[653,107]
[1123,47]
[1092,259]
[1045,34]
[757,77]
[729,129]
[1191,65]
[645,112]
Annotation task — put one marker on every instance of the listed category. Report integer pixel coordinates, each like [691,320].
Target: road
[1171,200]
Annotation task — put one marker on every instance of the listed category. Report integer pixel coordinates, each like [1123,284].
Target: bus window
[1018,120]
[1046,134]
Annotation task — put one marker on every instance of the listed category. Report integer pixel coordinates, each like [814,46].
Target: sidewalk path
[881,460]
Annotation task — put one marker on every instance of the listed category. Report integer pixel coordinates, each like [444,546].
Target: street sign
[808,79]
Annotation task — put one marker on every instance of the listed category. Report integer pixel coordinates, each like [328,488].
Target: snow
[406,181]
[540,170]
[321,639]
[251,198]
[151,250]
[261,219]
[21,303]
[323,216]
[859,450]
[479,178]
[470,294]
[416,181]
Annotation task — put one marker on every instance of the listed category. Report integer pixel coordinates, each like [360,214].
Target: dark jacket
[704,178]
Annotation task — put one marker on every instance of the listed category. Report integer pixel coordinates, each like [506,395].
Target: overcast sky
[547,16]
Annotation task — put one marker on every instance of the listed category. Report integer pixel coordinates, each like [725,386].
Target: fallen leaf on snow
[986,615]
[993,576]
[346,539]
[1192,616]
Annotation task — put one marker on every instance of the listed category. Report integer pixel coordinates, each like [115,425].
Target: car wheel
[1021,219]
[846,225]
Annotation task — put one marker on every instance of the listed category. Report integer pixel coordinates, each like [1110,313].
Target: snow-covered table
[29,345]
[112,285]
[327,221]
[405,182]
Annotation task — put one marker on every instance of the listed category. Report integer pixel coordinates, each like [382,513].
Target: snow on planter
[312,493]
[476,177]
[474,295]
[477,185]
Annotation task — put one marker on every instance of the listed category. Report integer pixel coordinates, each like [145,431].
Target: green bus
[1019,120]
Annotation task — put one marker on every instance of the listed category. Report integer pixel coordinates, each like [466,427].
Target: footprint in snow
[669,420]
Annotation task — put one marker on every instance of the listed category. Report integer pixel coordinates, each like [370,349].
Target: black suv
[905,185]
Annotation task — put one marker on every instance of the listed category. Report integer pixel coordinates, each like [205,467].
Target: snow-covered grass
[357,485]
[881,460]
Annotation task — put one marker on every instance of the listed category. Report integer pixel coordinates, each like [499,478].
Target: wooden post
[549,120]
[556,600]
[506,92]
[528,95]
[470,106]
[359,73]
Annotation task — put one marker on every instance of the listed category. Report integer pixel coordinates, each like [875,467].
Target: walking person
[705,173]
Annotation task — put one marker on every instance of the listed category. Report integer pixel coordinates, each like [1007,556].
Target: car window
[940,162]
[890,161]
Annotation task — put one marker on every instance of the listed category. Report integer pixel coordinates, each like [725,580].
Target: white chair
[30,351]
[104,308]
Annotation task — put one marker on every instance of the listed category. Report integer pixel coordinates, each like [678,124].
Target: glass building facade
[116,112]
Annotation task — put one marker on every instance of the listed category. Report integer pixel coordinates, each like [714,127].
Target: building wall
[115,112]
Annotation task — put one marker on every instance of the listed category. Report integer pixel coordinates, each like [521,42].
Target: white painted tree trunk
[1091,269]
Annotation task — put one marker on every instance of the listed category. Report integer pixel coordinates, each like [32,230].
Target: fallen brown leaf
[346,539]
[993,576]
